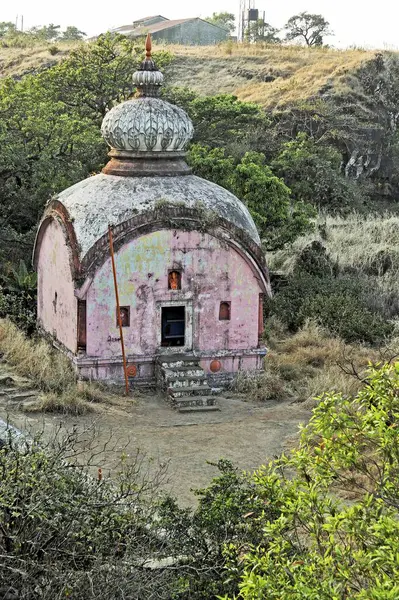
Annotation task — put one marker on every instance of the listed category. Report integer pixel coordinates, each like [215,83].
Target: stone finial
[148,79]
[148,46]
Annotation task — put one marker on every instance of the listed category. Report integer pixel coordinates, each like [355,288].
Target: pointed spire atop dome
[148,79]
[148,46]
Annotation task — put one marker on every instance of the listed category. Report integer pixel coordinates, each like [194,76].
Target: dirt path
[246,433]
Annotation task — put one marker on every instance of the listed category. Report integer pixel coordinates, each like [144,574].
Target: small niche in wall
[174,280]
[224,311]
[125,316]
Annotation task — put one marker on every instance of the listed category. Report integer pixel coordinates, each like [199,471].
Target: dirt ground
[246,433]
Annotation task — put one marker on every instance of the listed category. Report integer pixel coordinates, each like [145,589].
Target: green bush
[338,303]
[65,534]
[19,307]
[337,536]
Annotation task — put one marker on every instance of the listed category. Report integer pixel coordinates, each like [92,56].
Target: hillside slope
[269,75]
[272,76]
[347,98]
[17,61]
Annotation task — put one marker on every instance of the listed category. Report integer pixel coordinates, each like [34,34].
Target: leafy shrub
[339,304]
[322,546]
[53,49]
[20,308]
[66,534]
[228,513]
[314,260]
[312,172]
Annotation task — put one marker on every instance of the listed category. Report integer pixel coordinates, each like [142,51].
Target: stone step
[195,390]
[180,373]
[186,381]
[186,401]
[184,369]
[176,365]
[198,409]
[187,385]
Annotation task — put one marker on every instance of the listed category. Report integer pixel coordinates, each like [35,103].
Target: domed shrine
[189,270]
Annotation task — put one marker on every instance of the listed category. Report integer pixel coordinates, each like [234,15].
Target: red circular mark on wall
[131,371]
[215,366]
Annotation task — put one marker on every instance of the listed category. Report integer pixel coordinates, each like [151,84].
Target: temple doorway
[173,326]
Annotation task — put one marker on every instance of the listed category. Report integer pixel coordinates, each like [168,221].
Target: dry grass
[354,242]
[299,72]
[49,371]
[16,61]
[367,246]
[307,364]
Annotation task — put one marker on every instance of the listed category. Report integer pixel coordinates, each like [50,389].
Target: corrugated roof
[168,24]
[148,18]
[161,26]
[136,23]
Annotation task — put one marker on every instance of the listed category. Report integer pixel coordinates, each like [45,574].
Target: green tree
[313,173]
[49,129]
[310,28]
[338,532]
[259,31]
[7,28]
[223,19]
[219,120]
[279,220]
[49,32]
[72,33]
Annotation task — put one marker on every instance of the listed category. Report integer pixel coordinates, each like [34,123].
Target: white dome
[147,124]
[102,199]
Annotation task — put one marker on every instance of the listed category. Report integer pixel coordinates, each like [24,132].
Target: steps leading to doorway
[185,383]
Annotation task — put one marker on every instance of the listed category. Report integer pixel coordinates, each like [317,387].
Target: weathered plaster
[102,199]
[212,272]
[57,312]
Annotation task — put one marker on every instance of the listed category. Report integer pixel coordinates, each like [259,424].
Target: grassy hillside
[272,75]
[17,61]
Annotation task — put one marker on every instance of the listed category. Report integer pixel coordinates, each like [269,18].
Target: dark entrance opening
[173,325]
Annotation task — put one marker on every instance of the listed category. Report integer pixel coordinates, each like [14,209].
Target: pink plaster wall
[57,317]
[212,272]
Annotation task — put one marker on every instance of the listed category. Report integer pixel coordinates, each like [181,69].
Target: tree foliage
[309,28]
[278,219]
[218,120]
[323,546]
[223,19]
[7,28]
[259,31]
[313,173]
[72,33]
[49,131]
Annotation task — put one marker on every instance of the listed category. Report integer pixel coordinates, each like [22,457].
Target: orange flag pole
[118,308]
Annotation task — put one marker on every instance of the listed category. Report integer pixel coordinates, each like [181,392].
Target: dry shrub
[315,362]
[304,71]
[261,386]
[49,370]
[69,402]
[307,364]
